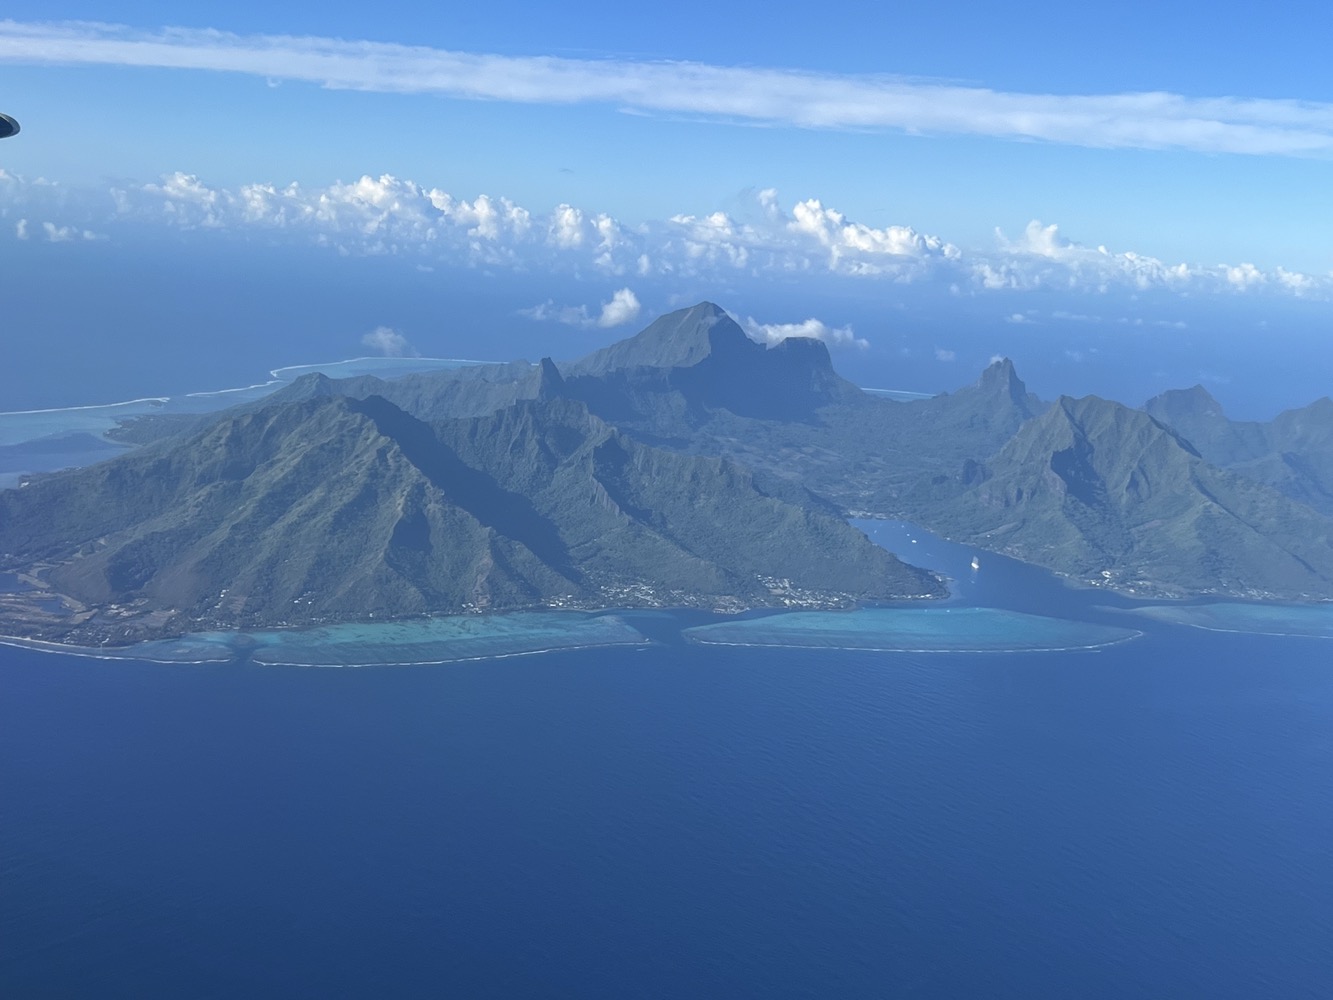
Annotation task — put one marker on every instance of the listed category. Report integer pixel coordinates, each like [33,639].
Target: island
[687,466]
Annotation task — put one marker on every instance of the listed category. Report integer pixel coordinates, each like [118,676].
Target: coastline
[587,630]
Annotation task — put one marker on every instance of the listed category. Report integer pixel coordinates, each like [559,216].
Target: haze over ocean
[223,316]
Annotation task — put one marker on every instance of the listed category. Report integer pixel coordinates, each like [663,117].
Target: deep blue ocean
[1152,819]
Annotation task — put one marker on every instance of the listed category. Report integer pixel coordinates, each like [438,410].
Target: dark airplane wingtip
[8,126]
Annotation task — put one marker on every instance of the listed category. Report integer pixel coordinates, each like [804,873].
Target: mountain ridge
[334,508]
[688,465]
[1108,494]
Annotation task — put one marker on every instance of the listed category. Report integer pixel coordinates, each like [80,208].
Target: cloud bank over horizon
[740,94]
[388,216]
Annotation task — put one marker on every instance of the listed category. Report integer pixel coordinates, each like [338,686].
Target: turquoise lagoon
[446,639]
[914,630]
[1305,620]
[1004,607]
[455,638]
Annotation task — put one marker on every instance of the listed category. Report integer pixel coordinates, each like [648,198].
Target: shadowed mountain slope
[701,356]
[1293,453]
[1105,493]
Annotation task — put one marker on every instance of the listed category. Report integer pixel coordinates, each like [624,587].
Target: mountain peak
[550,383]
[998,392]
[681,339]
[1000,369]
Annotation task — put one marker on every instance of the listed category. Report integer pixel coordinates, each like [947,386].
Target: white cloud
[59,234]
[386,215]
[566,227]
[388,342]
[68,234]
[1294,282]
[832,229]
[943,355]
[809,238]
[549,312]
[1044,258]
[623,308]
[1259,126]
[775,333]
[1245,276]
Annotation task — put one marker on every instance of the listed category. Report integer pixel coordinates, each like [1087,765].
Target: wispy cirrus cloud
[792,97]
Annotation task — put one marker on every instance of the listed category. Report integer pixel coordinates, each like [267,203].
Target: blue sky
[1150,165]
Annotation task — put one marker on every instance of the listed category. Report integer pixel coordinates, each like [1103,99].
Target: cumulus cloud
[67,234]
[623,308]
[52,233]
[832,229]
[386,215]
[1042,257]
[808,238]
[388,342]
[942,355]
[1245,276]
[797,98]
[775,333]
[566,227]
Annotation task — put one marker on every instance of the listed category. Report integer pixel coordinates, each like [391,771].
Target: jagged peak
[1000,378]
[550,383]
[1000,369]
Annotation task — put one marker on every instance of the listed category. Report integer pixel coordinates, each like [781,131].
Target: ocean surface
[1151,816]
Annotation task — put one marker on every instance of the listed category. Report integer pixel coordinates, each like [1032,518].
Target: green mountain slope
[334,509]
[1105,493]
[1293,453]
